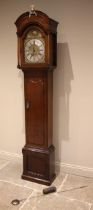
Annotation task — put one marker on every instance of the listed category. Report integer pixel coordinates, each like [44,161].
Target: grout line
[19,185]
[38,201]
[4,165]
[26,200]
[64,180]
[9,182]
[74,199]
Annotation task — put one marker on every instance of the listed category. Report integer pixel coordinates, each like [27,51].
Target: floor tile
[54,202]
[12,173]
[11,192]
[73,181]
[72,188]
[13,187]
[84,194]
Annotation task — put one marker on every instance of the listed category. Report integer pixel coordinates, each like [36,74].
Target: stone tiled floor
[73,192]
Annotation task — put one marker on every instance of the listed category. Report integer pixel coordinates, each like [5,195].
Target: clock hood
[41,19]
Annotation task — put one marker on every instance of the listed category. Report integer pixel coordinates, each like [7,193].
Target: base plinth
[38,165]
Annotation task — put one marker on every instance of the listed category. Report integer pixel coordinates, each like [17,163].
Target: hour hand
[34,42]
[32,53]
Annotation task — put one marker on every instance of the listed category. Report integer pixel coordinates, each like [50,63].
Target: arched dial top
[34,47]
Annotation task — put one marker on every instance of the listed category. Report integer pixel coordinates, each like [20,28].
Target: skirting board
[74,169]
[60,167]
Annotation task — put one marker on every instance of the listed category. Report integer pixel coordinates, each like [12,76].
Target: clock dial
[34,46]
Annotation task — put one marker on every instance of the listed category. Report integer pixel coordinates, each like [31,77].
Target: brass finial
[32,7]
[32,10]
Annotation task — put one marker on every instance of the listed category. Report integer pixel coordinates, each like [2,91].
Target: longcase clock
[37,52]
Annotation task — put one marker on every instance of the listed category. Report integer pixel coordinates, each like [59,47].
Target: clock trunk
[38,153]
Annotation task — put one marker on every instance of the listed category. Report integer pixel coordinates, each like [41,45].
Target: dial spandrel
[34,48]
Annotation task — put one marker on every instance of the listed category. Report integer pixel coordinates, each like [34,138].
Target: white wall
[73,80]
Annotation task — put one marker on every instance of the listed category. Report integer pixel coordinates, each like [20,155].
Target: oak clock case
[37,52]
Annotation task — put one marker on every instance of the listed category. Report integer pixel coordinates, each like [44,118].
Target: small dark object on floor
[49,190]
[15,202]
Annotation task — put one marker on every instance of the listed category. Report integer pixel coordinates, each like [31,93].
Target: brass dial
[35,49]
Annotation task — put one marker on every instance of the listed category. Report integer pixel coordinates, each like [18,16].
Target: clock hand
[34,46]
[32,54]
[34,42]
